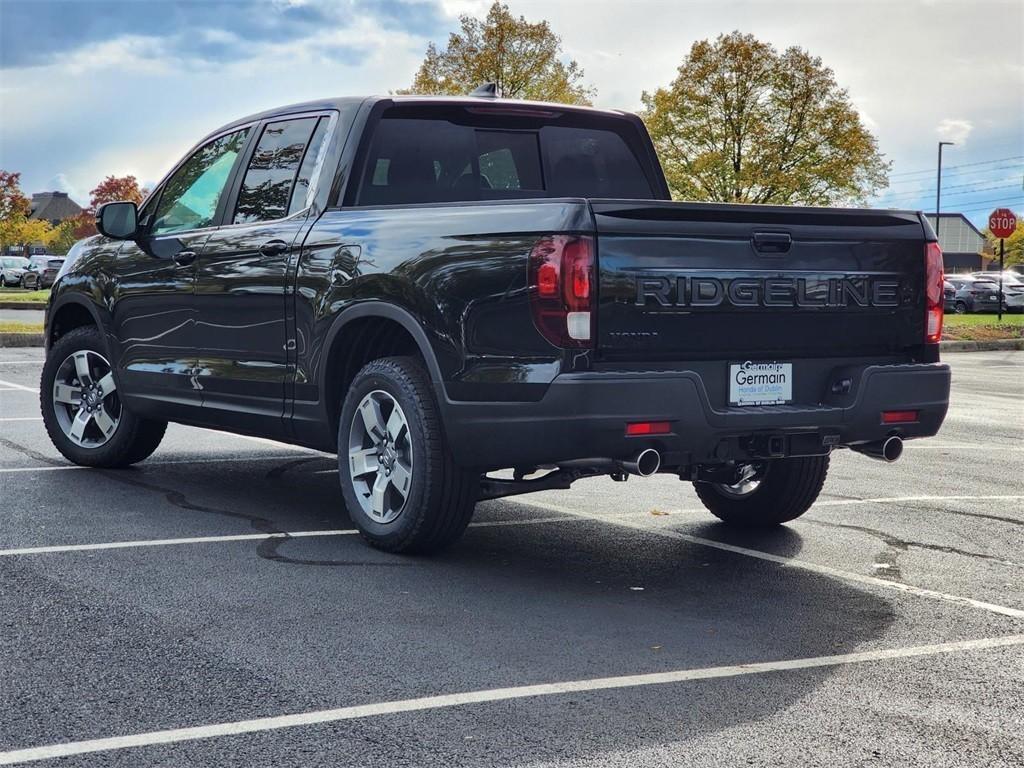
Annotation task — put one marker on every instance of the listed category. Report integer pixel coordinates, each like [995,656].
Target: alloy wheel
[380,457]
[85,399]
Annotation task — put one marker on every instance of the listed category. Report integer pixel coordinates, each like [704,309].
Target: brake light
[899,417]
[933,279]
[648,428]
[561,277]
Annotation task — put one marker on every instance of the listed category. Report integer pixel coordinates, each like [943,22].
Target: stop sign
[1002,223]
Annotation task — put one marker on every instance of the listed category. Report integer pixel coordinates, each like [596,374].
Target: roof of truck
[351,102]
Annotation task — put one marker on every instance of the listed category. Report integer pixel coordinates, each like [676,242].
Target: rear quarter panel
[460,270]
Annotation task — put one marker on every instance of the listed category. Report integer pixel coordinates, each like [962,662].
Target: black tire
[787,489]
[441,495]
[960,308]
[133,439]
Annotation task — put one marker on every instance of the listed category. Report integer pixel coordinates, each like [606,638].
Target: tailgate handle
[772,242]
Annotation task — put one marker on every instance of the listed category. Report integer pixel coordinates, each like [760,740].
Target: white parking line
[790,562]
[38,362]
[902,499]
[57,548]
[21,418]
[317,717]
[22,387]
[169,462]
[169,542]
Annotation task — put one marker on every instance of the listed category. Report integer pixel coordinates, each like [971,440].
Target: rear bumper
[584,416]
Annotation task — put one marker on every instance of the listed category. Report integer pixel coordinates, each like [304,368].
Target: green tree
[1014,253]
[64,237]
[16,228]
[745,123]
[523,59]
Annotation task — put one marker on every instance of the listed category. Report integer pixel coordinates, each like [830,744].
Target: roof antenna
[486,91]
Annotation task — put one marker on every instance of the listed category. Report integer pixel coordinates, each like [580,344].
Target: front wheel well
[67,318]
[355,345]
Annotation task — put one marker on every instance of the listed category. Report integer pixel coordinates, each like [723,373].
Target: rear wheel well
[359,342]
[67,318]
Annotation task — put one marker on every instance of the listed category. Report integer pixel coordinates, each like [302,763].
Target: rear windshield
[454,158]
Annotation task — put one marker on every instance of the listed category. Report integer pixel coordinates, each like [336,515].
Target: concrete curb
[22,305]
[981,346]
[21,339]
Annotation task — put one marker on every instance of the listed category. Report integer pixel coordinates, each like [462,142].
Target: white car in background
[1013,288]
[12,270]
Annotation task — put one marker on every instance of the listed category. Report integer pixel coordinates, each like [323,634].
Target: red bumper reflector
[899,417]
[648,428]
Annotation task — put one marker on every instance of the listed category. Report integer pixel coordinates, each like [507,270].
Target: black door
[242,307]
[154,312]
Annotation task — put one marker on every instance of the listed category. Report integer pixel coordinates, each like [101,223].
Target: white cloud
[60,183]
[956,131]
[137,53]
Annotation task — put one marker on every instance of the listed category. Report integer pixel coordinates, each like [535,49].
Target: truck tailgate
[686,281]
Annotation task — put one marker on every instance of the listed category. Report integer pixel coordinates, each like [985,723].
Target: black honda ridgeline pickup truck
[439,288]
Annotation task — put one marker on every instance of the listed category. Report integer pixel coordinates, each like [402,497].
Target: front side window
[190,197]
[270,179]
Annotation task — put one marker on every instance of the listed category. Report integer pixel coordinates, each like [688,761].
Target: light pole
[938,186]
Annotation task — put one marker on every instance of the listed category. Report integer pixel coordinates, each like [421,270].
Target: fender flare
[81,300]
[385,311]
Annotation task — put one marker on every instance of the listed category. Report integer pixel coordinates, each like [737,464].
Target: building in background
[53,207]
[961,242]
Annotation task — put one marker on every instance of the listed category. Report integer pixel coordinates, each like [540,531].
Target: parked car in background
[948,296]
[12,270]
[974,294]
[1013,288]
[45,267]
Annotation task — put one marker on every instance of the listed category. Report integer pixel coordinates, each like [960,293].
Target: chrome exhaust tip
[888,450]
[644,464]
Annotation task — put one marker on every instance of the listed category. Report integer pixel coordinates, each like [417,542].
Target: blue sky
[113,86]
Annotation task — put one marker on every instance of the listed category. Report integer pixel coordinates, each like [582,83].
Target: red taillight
[561,276]
[648,428]
[899,417]
[933,279]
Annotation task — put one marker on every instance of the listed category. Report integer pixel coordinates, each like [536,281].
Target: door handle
[273,248]
[772,242]
[183,258]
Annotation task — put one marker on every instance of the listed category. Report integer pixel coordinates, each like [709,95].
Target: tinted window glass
[509,160]
[585,162]
[423,161]
[267,187]
[189,199]
[310,165]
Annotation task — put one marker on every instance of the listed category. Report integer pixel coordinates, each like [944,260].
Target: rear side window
[311,163]
[426,160]
[270,178]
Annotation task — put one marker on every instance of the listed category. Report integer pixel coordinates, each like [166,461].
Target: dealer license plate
[760,383]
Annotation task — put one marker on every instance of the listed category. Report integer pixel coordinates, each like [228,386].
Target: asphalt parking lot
[212,607]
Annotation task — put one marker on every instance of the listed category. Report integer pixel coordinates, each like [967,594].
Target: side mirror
[118,220]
